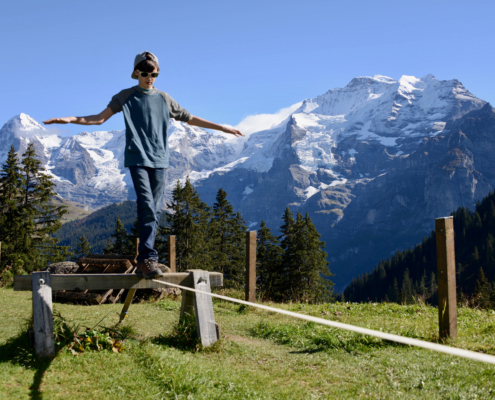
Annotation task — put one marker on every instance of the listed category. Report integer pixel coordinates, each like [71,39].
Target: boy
[146,113]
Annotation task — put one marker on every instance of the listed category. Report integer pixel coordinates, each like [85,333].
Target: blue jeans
[149,184]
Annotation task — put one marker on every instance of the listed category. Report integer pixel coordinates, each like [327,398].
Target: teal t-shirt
[147,119]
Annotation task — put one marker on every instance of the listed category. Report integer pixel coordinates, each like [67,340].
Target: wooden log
[250,281]
[447,299]
[171,253]
[105,296]
[203,309]
[93,298]
[91,257]
[43,314]
[113,281]
[97,262]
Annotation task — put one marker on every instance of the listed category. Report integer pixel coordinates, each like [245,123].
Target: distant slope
[76,210]
[98,226]
[474,249]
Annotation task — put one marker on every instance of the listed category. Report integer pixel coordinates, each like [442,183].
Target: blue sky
[226,60]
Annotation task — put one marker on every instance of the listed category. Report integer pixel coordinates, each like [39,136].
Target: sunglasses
[145,74]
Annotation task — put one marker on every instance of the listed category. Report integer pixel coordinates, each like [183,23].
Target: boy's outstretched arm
[203,123]
[89,120]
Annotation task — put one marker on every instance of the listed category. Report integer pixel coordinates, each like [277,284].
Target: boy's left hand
[234,132]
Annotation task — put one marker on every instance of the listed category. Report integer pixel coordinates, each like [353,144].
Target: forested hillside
[99,226]
[412,273]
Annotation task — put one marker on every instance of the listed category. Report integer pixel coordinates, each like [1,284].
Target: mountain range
[373,163]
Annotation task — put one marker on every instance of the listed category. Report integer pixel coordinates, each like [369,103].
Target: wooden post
[171,253]
[447,299]
[250,285]
[130,293]
[43,314]
[203,309]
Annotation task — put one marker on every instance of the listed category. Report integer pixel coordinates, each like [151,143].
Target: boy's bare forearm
[203,123]
[89,120]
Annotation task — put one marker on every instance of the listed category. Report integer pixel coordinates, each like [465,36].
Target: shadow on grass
[19,351]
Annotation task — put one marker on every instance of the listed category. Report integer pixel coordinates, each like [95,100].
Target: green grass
[261,355]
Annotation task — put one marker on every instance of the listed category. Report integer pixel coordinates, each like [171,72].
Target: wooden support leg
[127,303]
[43,314]
[187,303]
[203,307]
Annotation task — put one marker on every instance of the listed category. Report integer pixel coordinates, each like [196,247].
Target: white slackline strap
[382,335]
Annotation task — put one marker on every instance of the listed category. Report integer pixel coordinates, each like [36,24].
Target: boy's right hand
[66,120]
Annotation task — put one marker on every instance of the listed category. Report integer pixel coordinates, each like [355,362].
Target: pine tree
[287,279]
[482,289]
[189,223]
[10,211]
[161,244]
[407,291]
[33,220]
[268,263]
[130,244]
[227,233]
[395,295]
[83,248]
[432,288]
[422,286]
[305,268]
[315,272]
[119,241]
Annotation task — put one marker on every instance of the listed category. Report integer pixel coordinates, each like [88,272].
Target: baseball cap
[141,57]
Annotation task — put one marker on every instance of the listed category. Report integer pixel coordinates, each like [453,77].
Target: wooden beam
[250,283]
[171,253]
[43,314]
[447,299]
[113,281]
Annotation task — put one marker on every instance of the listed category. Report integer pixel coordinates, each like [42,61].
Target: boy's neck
[145,90]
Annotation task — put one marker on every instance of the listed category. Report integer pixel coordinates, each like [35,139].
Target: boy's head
[145,63]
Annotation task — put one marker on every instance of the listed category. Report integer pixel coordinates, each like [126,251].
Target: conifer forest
[291,266]
[410,274]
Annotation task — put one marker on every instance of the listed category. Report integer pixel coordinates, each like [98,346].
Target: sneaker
[148,269]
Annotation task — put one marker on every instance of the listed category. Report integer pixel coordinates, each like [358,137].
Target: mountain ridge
[353,158]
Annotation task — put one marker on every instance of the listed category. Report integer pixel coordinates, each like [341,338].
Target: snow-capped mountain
[89,167]
[366,161]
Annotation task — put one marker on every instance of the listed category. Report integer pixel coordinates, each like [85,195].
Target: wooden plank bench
[43,283]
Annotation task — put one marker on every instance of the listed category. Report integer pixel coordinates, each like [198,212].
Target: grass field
[261,355]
